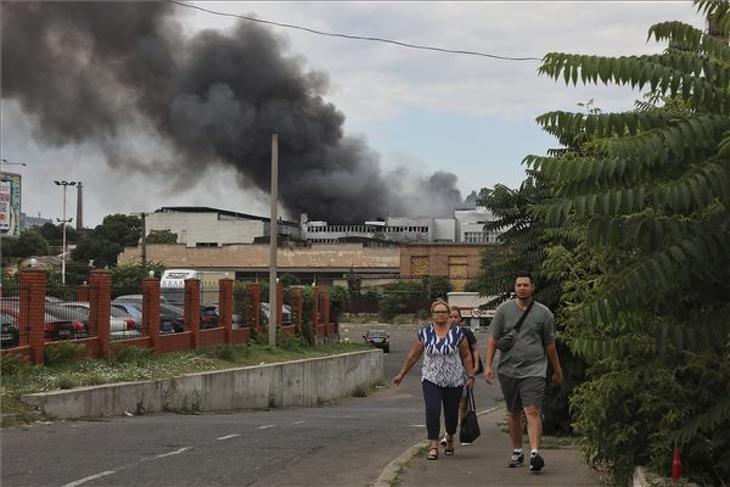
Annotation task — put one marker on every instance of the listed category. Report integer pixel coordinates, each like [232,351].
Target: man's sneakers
[517,459]
[536,461]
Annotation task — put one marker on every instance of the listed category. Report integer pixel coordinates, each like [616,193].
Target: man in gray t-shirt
[522,368]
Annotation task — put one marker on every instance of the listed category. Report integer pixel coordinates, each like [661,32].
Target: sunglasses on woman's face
[439,311]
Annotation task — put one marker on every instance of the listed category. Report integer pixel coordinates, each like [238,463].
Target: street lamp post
[6,163]
[64,184]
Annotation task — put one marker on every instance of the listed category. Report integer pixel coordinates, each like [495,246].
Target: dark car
[378,339]
[10,335]
[171,317]
[209,317]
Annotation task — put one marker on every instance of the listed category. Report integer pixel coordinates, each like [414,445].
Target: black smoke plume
[88,72]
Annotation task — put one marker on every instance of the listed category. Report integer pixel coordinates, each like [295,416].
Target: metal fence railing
[11,334]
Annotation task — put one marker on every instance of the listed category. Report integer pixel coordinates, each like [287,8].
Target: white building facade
[212,227]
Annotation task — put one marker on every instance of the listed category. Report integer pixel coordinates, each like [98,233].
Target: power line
[356,37]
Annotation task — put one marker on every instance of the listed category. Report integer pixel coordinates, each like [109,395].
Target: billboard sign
[4,206]
[10,185]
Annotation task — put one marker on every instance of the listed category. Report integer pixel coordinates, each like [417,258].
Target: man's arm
[489,359]
[552,353]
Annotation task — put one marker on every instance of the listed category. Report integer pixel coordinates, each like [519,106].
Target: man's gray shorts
[519,393]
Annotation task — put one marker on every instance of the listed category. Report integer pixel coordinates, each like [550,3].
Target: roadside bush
[10,365]
[228,353]
[422,315]
[395,296]
[63,353]
[339,298]
[67,381]
[131,355]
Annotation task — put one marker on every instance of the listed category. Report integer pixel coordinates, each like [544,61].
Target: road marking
[418,425]
[176,452]
[226,437]
[90,477]
[299,422]
[267,426]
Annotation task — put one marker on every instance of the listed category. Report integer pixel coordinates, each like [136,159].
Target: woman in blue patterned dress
[446,357]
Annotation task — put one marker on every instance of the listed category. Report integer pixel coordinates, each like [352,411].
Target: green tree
[354,282]
[161,237]
[289,280]
[29,242]
[128,277]
[107,241]
[646,292]
[437,287]
[54,234]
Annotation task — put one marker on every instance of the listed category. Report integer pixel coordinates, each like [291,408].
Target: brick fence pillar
[192,310]
[151,310]
[225,307]
[279,303]
[255,297]
[100,304]
[33,310]
[82,292]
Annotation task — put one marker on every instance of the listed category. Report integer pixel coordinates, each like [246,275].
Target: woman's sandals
[433,454]
[449,450]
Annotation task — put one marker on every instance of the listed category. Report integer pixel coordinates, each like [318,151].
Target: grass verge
[134,364]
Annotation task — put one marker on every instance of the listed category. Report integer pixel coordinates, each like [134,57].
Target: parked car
[286,315]
[209,317]
[137,297]
[121,324]
[54,327]
[171,317]
[378,339]
[10,334]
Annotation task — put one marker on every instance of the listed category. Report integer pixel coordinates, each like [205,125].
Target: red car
[54,328]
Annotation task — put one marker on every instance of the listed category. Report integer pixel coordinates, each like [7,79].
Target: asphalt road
[344,443]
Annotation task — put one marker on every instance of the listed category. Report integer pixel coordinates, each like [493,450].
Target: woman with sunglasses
[447,356]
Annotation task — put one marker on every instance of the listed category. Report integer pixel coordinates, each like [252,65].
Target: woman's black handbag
[470,424]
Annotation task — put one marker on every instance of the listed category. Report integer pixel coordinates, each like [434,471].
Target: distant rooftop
[207,209]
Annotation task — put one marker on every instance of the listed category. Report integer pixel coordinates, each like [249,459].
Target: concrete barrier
[305,382]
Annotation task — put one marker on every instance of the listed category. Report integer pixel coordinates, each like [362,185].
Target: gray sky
[419,110]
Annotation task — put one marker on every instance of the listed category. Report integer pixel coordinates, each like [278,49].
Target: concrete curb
[391,471]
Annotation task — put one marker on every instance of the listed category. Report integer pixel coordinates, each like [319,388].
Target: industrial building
[199,226]
[467,226]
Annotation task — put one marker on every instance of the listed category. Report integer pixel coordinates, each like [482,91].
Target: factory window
[206,244]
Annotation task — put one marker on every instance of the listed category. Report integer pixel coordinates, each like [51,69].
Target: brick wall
[459,262]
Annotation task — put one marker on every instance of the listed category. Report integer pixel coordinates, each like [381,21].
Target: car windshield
[377,334]
[118,313]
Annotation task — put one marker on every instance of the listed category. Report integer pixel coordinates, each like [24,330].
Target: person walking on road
[446,357]
[455,320]
[524,332]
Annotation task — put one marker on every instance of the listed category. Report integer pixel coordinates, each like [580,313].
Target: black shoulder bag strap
[522,319]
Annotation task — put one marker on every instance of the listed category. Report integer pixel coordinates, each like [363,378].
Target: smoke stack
[79,206]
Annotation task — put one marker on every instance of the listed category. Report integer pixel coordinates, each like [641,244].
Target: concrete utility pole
[273,234]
